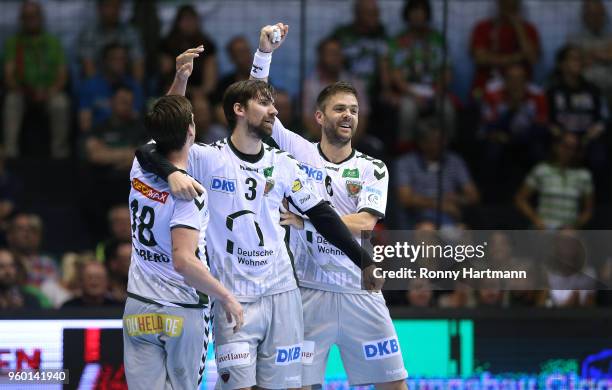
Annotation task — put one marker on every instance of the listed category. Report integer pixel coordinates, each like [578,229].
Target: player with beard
[337,310]
[246,183]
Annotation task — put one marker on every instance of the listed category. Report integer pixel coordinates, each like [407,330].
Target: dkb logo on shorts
[288,355]
[381,349]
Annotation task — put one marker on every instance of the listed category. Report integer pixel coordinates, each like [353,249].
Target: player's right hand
[184,186]
[184,62]
[266,37]
[233,311]
[369,281]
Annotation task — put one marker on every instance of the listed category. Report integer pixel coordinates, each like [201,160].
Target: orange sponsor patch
[149,192]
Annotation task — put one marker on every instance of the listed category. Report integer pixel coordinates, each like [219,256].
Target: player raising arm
[165,324]
[336,308]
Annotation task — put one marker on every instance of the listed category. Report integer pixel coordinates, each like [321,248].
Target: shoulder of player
[150,186]
[370,164]
[278,153]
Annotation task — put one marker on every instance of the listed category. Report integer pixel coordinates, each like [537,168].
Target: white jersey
[154,212]
[246,247]
[356,184]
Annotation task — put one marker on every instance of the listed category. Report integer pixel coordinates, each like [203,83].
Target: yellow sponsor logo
[153,323]
[297,185]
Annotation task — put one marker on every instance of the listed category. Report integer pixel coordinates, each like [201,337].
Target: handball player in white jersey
[337,309]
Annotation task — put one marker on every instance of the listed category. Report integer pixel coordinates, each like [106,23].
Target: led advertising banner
[438,353]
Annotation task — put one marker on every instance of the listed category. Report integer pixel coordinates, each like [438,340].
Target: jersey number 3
[143,224]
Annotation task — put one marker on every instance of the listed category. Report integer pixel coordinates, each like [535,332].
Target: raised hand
[184,62]
[272,36]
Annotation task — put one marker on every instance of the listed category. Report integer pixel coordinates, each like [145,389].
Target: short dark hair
[410,5]
[333,89]
[241,92]
[167,122]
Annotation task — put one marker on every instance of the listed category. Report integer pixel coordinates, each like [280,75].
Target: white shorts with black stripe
[164,347]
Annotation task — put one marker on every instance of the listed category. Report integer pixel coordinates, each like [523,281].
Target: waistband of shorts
[151,301]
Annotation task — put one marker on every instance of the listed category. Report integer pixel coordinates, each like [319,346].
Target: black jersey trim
[338,163]
[250,158]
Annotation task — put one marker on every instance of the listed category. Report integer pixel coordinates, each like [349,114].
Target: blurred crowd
[538,150]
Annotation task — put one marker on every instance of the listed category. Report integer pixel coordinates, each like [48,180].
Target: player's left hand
[369,281]
[184,62]
[269,40]
[287,218]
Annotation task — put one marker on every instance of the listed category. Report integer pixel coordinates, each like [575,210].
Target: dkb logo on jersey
[221,184]
[313,173]
[381,349]
[288,355]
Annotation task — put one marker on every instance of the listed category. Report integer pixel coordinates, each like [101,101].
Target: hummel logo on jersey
[313,173]
[256,69]
[221,184]
[380,349]
[149,192]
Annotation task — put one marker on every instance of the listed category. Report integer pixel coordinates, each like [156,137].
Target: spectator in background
[24,239]
[504,40]
[571,279]
[93,282]
[120,228]
[13,296]
[417,180]
[119,258]
[35,76]
[185,34]
[364,44]
[490,294]
[595,39]
[206,130]
[415,72]
[95,94]
[577,106]
[514,130]
[110,153]
[330,69]
[564,192]
[110,146]
[108,30]
[420,293]
[241,56]
[9,190]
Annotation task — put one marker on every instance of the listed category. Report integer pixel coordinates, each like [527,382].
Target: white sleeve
[291,142]
[299,188]
[373,198]
[186,214]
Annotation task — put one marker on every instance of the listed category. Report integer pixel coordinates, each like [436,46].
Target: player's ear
[239,109]
[319,117]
